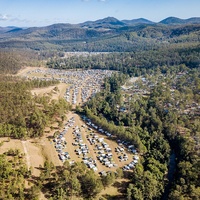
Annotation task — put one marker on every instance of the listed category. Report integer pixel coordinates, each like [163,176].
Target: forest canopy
[161,122]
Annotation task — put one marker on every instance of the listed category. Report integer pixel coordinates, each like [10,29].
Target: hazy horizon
[24,13]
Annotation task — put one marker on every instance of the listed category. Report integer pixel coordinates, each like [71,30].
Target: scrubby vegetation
[14,174]
[23,115]
[11,61]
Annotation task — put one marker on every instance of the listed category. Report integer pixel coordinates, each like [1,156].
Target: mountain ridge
[176,20]
[115,35]
[138,21]
[117,22]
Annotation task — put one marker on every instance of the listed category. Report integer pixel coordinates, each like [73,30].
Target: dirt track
[27,155]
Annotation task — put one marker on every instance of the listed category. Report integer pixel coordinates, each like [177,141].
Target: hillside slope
[109,34]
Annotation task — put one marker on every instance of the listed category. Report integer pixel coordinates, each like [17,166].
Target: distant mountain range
[114,34]
[109,22]
[8,29]
[103,23]
[175,20]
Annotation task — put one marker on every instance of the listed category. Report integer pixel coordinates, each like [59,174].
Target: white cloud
[4,17]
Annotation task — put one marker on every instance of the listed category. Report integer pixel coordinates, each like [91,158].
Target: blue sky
[26,13]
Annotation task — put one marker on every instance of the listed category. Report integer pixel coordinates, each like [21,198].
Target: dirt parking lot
[85,132]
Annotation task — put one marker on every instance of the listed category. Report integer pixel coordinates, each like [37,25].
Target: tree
[134,193]
[91,185]
[34,193]
[108,179]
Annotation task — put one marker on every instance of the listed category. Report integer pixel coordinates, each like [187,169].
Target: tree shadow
[40,168]
[116,197]
[121,186]
[34,179]
[50,137]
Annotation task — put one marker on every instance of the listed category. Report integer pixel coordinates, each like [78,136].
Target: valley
[103,109]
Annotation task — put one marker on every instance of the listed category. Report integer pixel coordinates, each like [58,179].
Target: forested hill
[109,34]
[175,20]
[12,61]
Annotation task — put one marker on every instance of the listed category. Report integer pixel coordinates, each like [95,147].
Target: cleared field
[50,91]
[32,152]
[10,143]
[115,191]
[24,70]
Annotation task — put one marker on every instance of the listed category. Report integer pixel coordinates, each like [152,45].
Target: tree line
[133,63]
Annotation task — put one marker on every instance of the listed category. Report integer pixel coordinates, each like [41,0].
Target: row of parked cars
[132,164]
[82,149]
[102,149]
[92,125]
[87,82]
[67,94]
[60,142]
